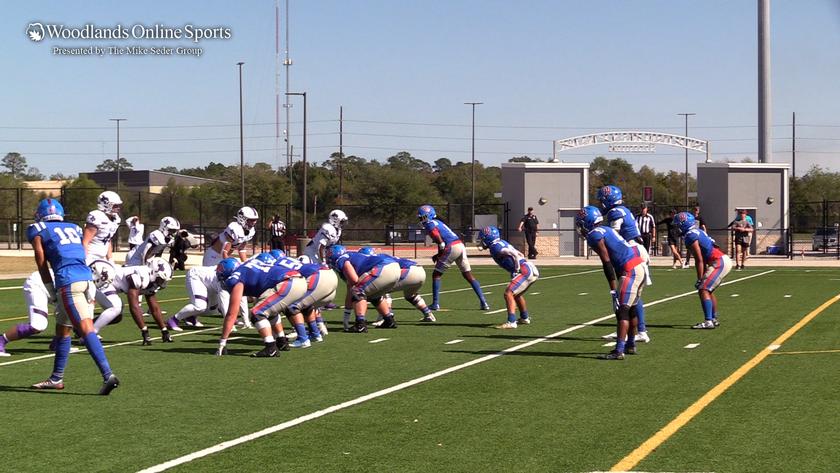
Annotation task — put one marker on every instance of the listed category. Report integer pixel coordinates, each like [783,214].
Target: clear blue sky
[544,69]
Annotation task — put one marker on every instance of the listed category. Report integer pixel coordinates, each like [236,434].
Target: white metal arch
[644,137]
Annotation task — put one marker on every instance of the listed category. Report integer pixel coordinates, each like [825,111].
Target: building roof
[144,178]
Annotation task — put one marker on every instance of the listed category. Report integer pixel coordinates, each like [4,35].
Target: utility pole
[686,115]
[118,120]
[765,124]
[241,139]
[304,158]
[472,206]
[793,145]
[340,154]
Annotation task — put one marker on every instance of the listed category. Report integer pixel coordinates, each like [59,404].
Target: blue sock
[96,351]
[301,332]
[511,317]
[435,291]
[619,346]
[360,318]
[640,313]
[62,353]
[524,314]
[707,308]
[426,310]
[319,319]
[477,288]
[313,328]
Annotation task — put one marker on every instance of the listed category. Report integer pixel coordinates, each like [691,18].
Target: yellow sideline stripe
[640,453]
[812,352]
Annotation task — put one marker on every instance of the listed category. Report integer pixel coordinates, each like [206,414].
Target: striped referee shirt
[646,223]
[278,228]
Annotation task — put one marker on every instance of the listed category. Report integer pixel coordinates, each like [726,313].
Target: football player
[276,288]
[38,300]
[58,244]
[206,295]
[329,234]
[155,243]
[625,271]
[101,226]
[522,272]
[450,250]
[622,220]
[235,238]
[711,263]
[412,277]
[321,285]
[134,281]
[368,278]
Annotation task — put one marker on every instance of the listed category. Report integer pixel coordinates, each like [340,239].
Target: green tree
[112,165]
[33,174]
[524,159]
[171,169]
[442,164]
[15,163]
[80,198]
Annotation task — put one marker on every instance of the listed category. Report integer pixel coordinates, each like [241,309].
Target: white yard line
[453,342]
[384,392]
[379,340]
[497,311]
[691,346]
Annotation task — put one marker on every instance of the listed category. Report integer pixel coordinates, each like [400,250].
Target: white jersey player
[155,243]
[206,295]
[233,238]
[38,300]
[329,234]
[101,225]
[135,231]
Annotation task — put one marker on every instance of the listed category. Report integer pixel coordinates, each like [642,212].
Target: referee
[278,231]
[647,227]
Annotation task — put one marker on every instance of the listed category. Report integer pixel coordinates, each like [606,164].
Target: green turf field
[546,405]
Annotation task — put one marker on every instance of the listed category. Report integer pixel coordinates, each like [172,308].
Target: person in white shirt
[38,300]
[234,238]
[155,243]
[135,231]
[329,234]
[206,295]
[101,225]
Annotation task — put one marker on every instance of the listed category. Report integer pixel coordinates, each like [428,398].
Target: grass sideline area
[546,404]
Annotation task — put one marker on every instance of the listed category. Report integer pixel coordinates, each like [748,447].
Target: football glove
[698,284]
[614,296]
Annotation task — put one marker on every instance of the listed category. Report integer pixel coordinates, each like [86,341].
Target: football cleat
[166,336]
[301,343]
[716,322]
[389,322]
[146,340]
[322,327]
[630,350]
[265,353]
[221,351]
[3,346]
[358,327]
[198,323]
[613,355]
[429,318]
[507,326]
[704,325]
[434,306]
[642,337]
[319,338]
[172,323]
[524,322]
[282,344]
[190,321]
[109,385]
[49,383]
[484,306]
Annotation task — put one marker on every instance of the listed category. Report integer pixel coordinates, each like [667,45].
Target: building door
[570,244]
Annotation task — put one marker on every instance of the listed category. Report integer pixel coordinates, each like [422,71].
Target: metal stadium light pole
[472,208]
[241,139]
[118,120]
[686,115]
[304,156]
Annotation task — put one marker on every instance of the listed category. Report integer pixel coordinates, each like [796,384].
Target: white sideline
[359,400]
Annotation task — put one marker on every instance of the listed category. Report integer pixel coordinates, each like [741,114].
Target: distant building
[145,181]
[49,188]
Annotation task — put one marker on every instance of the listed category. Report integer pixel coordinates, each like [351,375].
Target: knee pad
[38,322]
[262,322]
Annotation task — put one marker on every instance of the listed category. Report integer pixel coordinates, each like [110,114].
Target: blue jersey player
[712,266]
[368,278]
[276,288]
[450,250]
[522,273]
[625,271]
[58,244]
[622,220]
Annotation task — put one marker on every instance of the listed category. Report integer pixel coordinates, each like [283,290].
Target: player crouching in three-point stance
[522,273]
[368,278]
[712,266]
[450,250]
[625,270]
[58,244]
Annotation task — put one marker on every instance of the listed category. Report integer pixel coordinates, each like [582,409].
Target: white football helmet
[103,273]
[247,217]
[305,259]
[161,271]
[110,203]
[169,225]
[338,218]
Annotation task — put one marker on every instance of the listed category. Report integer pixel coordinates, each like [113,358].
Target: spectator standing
[647,227]
[530,225]
[178,252]
[674,235]
[278,233]
[743,228]
[135,232]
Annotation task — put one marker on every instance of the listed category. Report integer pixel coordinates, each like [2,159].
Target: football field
[757,394]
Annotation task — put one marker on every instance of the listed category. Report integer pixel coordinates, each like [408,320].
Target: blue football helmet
[333,253]
[588,218]
[426,213]
[368,250]
[266,258]
[277,254]
[488,235]
[685,221]
[226,267]
[610,196]
[49,210]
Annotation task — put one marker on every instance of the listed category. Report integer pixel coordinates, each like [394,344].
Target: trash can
[301,244]
[666,248]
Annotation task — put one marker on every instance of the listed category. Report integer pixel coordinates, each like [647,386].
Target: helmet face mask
[610,196]
[488,235]
[161,272]
[247,217]
[685,221]
[169,225]
[587,219]
[110,203]
[338,218]
[103,273]
[426,213]
[335,252]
